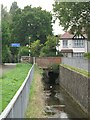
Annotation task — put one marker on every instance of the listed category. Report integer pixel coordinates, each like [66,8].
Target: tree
[35,48]
[49,48]
[33,22]
[13,8]
[23,51]
[73,15]
[6,54]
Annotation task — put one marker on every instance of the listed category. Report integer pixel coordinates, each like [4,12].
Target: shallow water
[60,105]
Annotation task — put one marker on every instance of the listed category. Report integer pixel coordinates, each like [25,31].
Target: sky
[45,4]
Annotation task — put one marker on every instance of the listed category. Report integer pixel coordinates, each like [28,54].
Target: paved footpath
[6,67]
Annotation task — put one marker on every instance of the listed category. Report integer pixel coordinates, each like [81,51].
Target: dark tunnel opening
[52,77]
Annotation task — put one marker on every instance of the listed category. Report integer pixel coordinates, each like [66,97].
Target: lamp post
[29,48]
[28,45]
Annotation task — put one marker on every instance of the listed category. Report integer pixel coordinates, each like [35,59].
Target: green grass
[11,82]
[36,103]
[83,72]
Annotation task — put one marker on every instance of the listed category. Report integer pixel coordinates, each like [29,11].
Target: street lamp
[29,49]
[28,45]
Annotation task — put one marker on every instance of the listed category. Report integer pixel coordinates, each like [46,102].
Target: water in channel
[60,105]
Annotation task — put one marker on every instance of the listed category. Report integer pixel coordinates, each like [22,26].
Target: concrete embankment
[76,85]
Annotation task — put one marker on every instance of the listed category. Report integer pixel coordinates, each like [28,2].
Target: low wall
[44,62]
[77,62]
[76,85]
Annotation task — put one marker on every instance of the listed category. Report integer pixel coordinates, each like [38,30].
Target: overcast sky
[45,4]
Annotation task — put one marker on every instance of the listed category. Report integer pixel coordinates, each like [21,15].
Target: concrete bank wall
[76,85]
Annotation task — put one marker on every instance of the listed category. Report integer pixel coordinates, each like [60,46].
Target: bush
[24,51]
[54,68]
[87,55]
[6,55]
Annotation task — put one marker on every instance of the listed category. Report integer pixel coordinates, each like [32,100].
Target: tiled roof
[67,35]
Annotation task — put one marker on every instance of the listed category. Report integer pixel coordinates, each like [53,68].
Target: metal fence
[17,106]
[80,63]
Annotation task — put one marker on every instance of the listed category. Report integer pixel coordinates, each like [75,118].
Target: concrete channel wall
[76,85]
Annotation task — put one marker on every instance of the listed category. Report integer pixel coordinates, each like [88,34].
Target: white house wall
[70,46]
[78,50]
[88,46]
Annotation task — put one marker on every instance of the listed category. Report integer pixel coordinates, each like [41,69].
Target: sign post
[16,45]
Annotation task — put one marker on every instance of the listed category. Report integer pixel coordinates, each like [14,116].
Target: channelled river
[60,105]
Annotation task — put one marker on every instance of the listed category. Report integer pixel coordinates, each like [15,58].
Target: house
[72,45]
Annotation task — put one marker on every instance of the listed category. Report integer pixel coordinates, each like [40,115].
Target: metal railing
[17,106]
[77,62]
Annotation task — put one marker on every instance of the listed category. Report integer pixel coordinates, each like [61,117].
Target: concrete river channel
[58,104]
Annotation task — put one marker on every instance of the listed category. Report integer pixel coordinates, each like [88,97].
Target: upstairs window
[78,43]
[65,43]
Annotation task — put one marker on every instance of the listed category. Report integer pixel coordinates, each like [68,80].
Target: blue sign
[15,44]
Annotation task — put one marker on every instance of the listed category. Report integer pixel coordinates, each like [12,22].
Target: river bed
[60,105]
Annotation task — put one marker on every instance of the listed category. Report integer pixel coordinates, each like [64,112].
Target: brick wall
[76,85]
[44,62]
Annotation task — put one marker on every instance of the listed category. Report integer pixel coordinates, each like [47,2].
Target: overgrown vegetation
[87,55]
[54,68]
[11,81]
[20,24]
[73,16]
[36,103]
[83,72]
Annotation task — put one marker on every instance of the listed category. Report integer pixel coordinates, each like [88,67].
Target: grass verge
[36,102]
[83,72]
[11,82]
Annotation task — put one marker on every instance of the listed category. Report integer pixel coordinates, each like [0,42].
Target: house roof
[67,50]
[68,35]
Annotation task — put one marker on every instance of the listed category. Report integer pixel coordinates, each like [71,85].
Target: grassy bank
[36,101]
[81,71]
[11,81]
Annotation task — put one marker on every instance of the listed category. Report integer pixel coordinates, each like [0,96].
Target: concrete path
[6,67]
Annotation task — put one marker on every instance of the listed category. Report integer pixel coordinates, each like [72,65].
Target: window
[78,55]
[65,43]
[78,43]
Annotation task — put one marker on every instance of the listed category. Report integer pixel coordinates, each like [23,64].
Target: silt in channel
[58,104]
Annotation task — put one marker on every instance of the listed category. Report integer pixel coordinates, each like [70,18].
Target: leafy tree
[33,22]
[6,54]
[73,15]
[49,48]
[15,26]
[35,48]
[13,8]
[23,51]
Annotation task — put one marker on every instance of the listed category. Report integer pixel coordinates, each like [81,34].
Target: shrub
[87,55]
